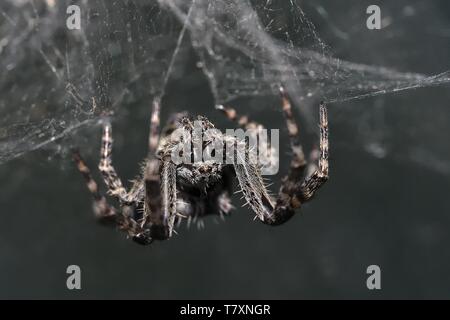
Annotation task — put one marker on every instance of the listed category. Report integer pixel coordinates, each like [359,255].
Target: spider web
[54,81]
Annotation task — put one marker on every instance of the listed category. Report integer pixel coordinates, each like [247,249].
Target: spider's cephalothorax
[169,190]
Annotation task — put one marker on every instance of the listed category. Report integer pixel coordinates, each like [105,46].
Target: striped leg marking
[320,175]
[298,161]
[102,210]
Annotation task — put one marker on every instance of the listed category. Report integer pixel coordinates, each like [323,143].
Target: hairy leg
[242,121]
[320,175]
[292,193]
[267,154]
[107,214]
[153,139]
[102,210]
[160,207]
[298,161]
[112,180]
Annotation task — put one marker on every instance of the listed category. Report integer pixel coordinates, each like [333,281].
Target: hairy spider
[166,192]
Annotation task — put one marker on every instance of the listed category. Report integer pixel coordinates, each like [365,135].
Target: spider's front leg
[292,193]
[153,137]
[161,198]
[160,183]
[112,180]
[320,175]
[127,200]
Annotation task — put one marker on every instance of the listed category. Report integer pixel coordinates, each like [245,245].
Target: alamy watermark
[73,281]
[374,20]
[374,280]
[236,146]
[73,22]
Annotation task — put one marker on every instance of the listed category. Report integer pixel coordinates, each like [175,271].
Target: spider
[166,192]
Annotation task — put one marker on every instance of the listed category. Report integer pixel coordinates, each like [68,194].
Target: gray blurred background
[386,202]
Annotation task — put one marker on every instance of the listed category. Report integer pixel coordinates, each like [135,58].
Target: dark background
[391,210]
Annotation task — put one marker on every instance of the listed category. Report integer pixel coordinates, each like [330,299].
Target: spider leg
[110,177]
[252,185]
[151,169]
[255,130]
[160,208]
[313,161]
[107,214]
[160,193]
[291,194]
[320,175]
[153,139]
[102,210]
[132,228]
[298,162]
[112,180]
[169,195]
[242,121]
